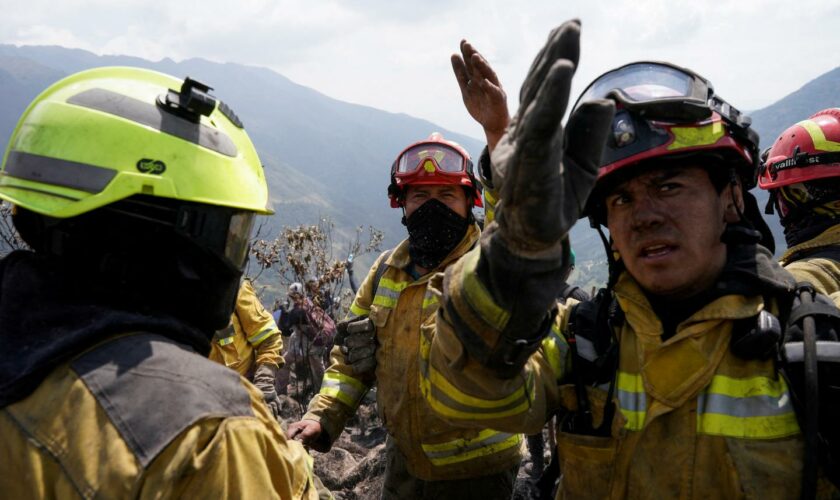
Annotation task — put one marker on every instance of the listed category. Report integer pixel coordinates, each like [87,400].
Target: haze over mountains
[325,157]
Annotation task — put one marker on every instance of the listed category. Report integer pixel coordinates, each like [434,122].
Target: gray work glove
[357,340]
[544,176]
[264,381]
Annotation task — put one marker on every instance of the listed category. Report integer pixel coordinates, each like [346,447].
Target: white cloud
[41,34]
[395,55]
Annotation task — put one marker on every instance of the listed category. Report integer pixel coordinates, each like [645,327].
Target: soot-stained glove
[543,174]
[264,380]
[357,340]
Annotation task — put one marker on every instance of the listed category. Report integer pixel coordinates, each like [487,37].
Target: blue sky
[395,55]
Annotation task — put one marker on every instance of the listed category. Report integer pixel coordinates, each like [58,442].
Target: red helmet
[663,110]
[807,151]
[434,161]
[655,139]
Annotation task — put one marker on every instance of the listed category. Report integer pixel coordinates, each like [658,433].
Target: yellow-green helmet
[106,134]
[143,187]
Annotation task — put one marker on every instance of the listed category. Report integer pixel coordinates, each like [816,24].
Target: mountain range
[327,158]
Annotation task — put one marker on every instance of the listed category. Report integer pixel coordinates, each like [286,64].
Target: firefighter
[251,344]
[388,329]
[801,172]
[136,192]
[671,370]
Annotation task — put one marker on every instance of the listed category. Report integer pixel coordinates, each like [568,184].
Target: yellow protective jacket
[141,416]
[821,271]
[403,310]
[252,338]
[694,420]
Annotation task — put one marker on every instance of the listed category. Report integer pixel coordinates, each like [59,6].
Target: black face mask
[434,230]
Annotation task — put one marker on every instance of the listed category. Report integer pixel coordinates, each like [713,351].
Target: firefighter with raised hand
[390,326]
[672,370]
[801,171]
[137,193]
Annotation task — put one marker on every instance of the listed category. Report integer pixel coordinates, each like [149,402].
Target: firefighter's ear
[733,199]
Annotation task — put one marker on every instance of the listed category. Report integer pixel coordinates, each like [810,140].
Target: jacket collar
[750,274]
[829,237]
[48,318]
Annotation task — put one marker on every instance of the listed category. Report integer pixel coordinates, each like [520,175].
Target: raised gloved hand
[483,95]
[544,176]
[357,340]
[264,380]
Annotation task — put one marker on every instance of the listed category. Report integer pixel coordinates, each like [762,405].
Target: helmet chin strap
[614,265]
[733,183]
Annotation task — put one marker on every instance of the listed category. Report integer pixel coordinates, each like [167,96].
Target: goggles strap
[800,160]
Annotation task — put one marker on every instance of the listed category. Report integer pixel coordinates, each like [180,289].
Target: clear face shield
[662,91]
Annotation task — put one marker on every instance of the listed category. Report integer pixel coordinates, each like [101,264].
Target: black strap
[801,160]
[813,309]
[596,321]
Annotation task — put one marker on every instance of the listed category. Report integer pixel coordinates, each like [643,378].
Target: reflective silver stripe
[64,173]
[627,400]
[152,116]
[345,392]
[262,335]
[586,349]
[753,406]
[387,292]
[632,401]
[444,399]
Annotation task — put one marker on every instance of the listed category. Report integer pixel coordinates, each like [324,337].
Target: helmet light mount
[192,102]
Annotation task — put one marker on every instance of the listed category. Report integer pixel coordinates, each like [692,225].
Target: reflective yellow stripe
[257,338]
[479,298]
[689,137]
[817,136]
[429,300]
[490,202]
[489,215]
[358,310]
[556,349]
[632,401]
[345,388]
[486,443]
[746,387]
[755,408]
[389,292]
[225,341]
[748,427]
[490,197]
[448,400]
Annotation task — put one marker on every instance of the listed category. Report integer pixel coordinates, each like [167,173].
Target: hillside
[323,157]
[328,158]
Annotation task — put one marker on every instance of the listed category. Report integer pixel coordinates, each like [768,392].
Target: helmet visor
[657,91]
[431,157]
[222,231]
[640,83]
[238,237]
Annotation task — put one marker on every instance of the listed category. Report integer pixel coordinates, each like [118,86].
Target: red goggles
[430,158]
